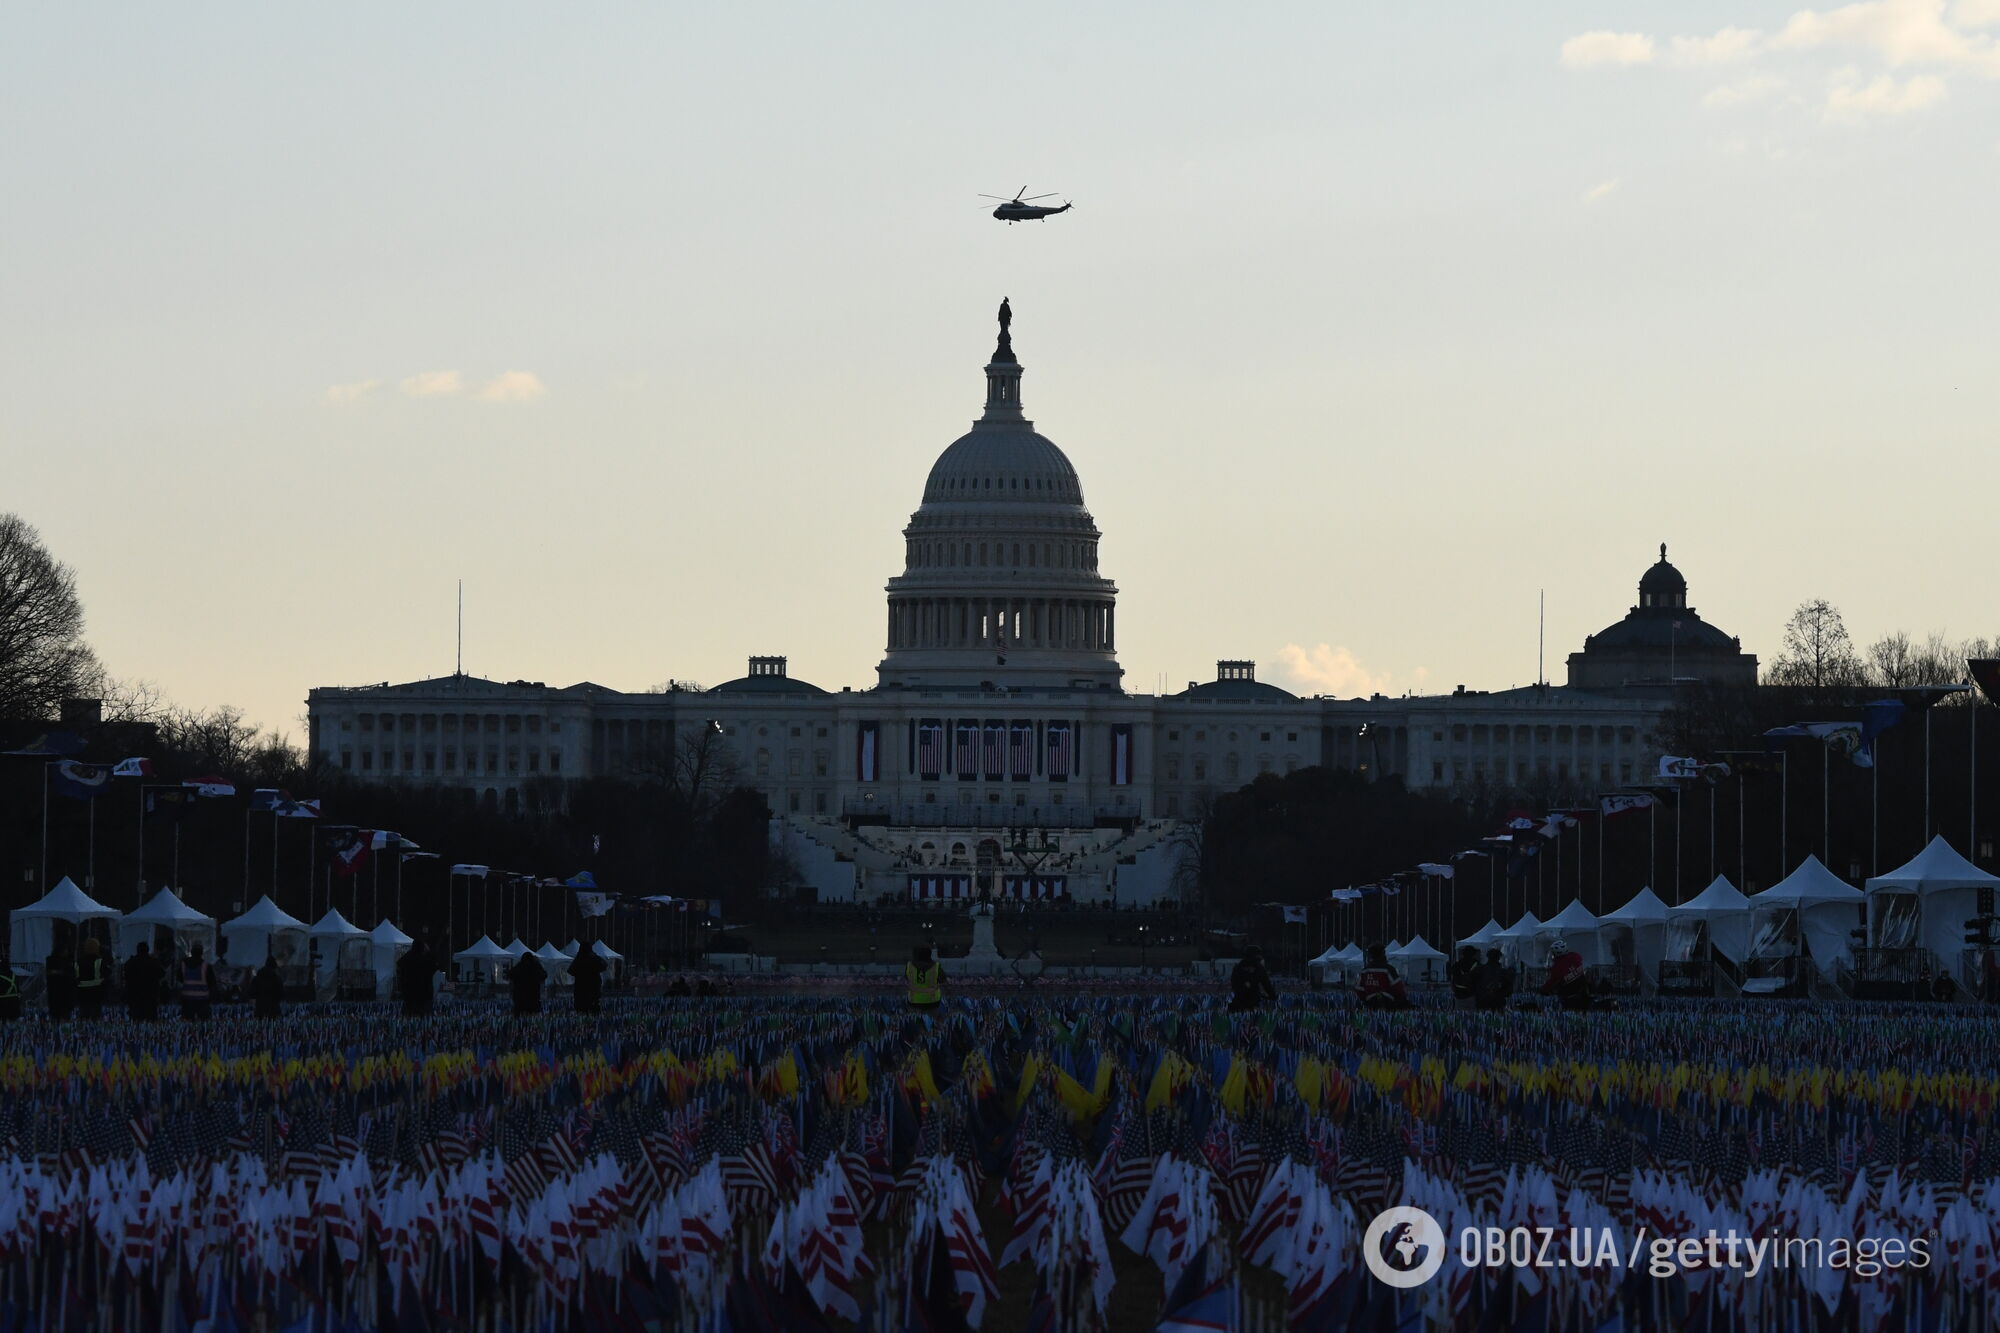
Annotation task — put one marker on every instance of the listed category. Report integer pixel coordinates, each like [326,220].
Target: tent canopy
[1573,917]
[1720,897]
[1486,934]
[1416,948]
[66,902]
[1811,883]
[484,951]
[516,948]
[1938,867]
[1523,929]
[548,953]
[166,909]
[1645,908]
[389,933]
[266,915]
[605,951]
[333,923]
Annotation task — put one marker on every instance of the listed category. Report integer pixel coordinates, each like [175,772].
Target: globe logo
[1404,1247]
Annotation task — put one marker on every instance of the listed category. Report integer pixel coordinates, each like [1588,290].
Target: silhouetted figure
[587,980]
[1941,987]
[1568,979]
[197,986]
[705,989]
[679,987]
[143,978]
[1464,974]
[1250,984]
[267,989]
[59,975]
[1378,986]
[93,979]
[414,971]
[525,980]
[10,992]
[1496,982]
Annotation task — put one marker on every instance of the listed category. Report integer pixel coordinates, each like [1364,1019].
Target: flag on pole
[1673,766]
[1623,802]
[211,786]
[168,802]
[593,904]
[1441,870]
[133,768]
[79,782]
[1295,916]
[349,850]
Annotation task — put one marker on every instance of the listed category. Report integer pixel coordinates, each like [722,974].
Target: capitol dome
[1000,584]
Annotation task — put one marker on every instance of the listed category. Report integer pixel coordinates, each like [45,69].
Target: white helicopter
[1018,209]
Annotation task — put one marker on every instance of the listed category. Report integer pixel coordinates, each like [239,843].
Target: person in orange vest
[924,976]
[1378,986]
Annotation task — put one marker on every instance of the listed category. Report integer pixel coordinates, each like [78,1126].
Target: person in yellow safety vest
[925,978]
[92,980]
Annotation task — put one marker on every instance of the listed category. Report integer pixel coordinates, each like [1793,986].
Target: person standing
[924,976]
[1250,985]
[93,978]
[197,986]
[143,977]
[526,983]
[587,978]
[1378,985]
[59,975]
[267,989]
[413,973]
[1495,982]
[10,992]
[1464,975]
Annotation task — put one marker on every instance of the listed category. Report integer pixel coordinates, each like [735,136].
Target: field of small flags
[1053,1164]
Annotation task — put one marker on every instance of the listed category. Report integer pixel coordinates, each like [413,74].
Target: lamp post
[1142,948]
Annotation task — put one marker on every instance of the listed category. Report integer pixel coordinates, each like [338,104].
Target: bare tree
[43,659]
[1817,653]
[704,766]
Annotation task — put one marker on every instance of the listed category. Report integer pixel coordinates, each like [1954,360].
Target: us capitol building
[998,751]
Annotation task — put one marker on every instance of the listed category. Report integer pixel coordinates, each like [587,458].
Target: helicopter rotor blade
[1018,193]
[1001,197]
[1031,198]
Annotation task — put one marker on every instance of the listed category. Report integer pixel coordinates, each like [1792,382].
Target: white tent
[1484,937]
[1517,941]
[1635,935]
[555,960]
[1343,960]
[165,912]
[1812,910]
[1418,960]
[341,943]
[486,958]
[386,946]
[1926,902]
[606,952]
[32,931]
[571,950]
[1579,928]
[516,949]
[266,929]
[1720,912]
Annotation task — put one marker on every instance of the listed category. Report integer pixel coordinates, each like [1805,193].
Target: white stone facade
[997,709]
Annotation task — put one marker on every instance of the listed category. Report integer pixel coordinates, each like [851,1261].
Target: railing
[924,814]
[1902,973]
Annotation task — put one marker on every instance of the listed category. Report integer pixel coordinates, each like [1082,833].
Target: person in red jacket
[1568,980]
[1378,986]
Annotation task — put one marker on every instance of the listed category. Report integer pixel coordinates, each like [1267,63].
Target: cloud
[1753,89]
[432,384]
[1976,13]
[1600,190]
[1849,101]
[516,386]
[1607,48]
[1325,669]
[351,393]
[1901,32]
[1725,47]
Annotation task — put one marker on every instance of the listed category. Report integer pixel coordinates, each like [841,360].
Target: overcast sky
[1371,321]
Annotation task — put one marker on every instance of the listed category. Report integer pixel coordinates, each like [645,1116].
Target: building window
[1437,734]
[388,721]
[555,761]
[409,761]
[795,732]
[1292,736]
[368,722]
[792,800]
[1604,771]
[534,761]
[1437,770]
[1173,767]
[492,761]
[1173,735]
[430,723]
[347,759]
[795,765]
[1201,735]
[820,764]
[822,733]
[450,759]
[513,761]
[513,723]
[1625,771]
[1056,798]
[1264,735]
[534,724]
[1173,806]
[1200,771]
[819,802]
[555,725]
[367,762]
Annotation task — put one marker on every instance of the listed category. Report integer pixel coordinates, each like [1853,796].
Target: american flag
[1021,749]
[995,750]
[965,747]
[745,1161]
[1059,750]
[1124,1174]
[930,747]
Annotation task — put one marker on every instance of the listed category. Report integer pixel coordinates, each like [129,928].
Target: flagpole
[1825,802]
[1927,778]
[1972,792]
[90,846]
[1742,839]
[1711,834]
[1603,826]
[142,845]
[246,850]
[1785,804]
[43,886]
[1653,844]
